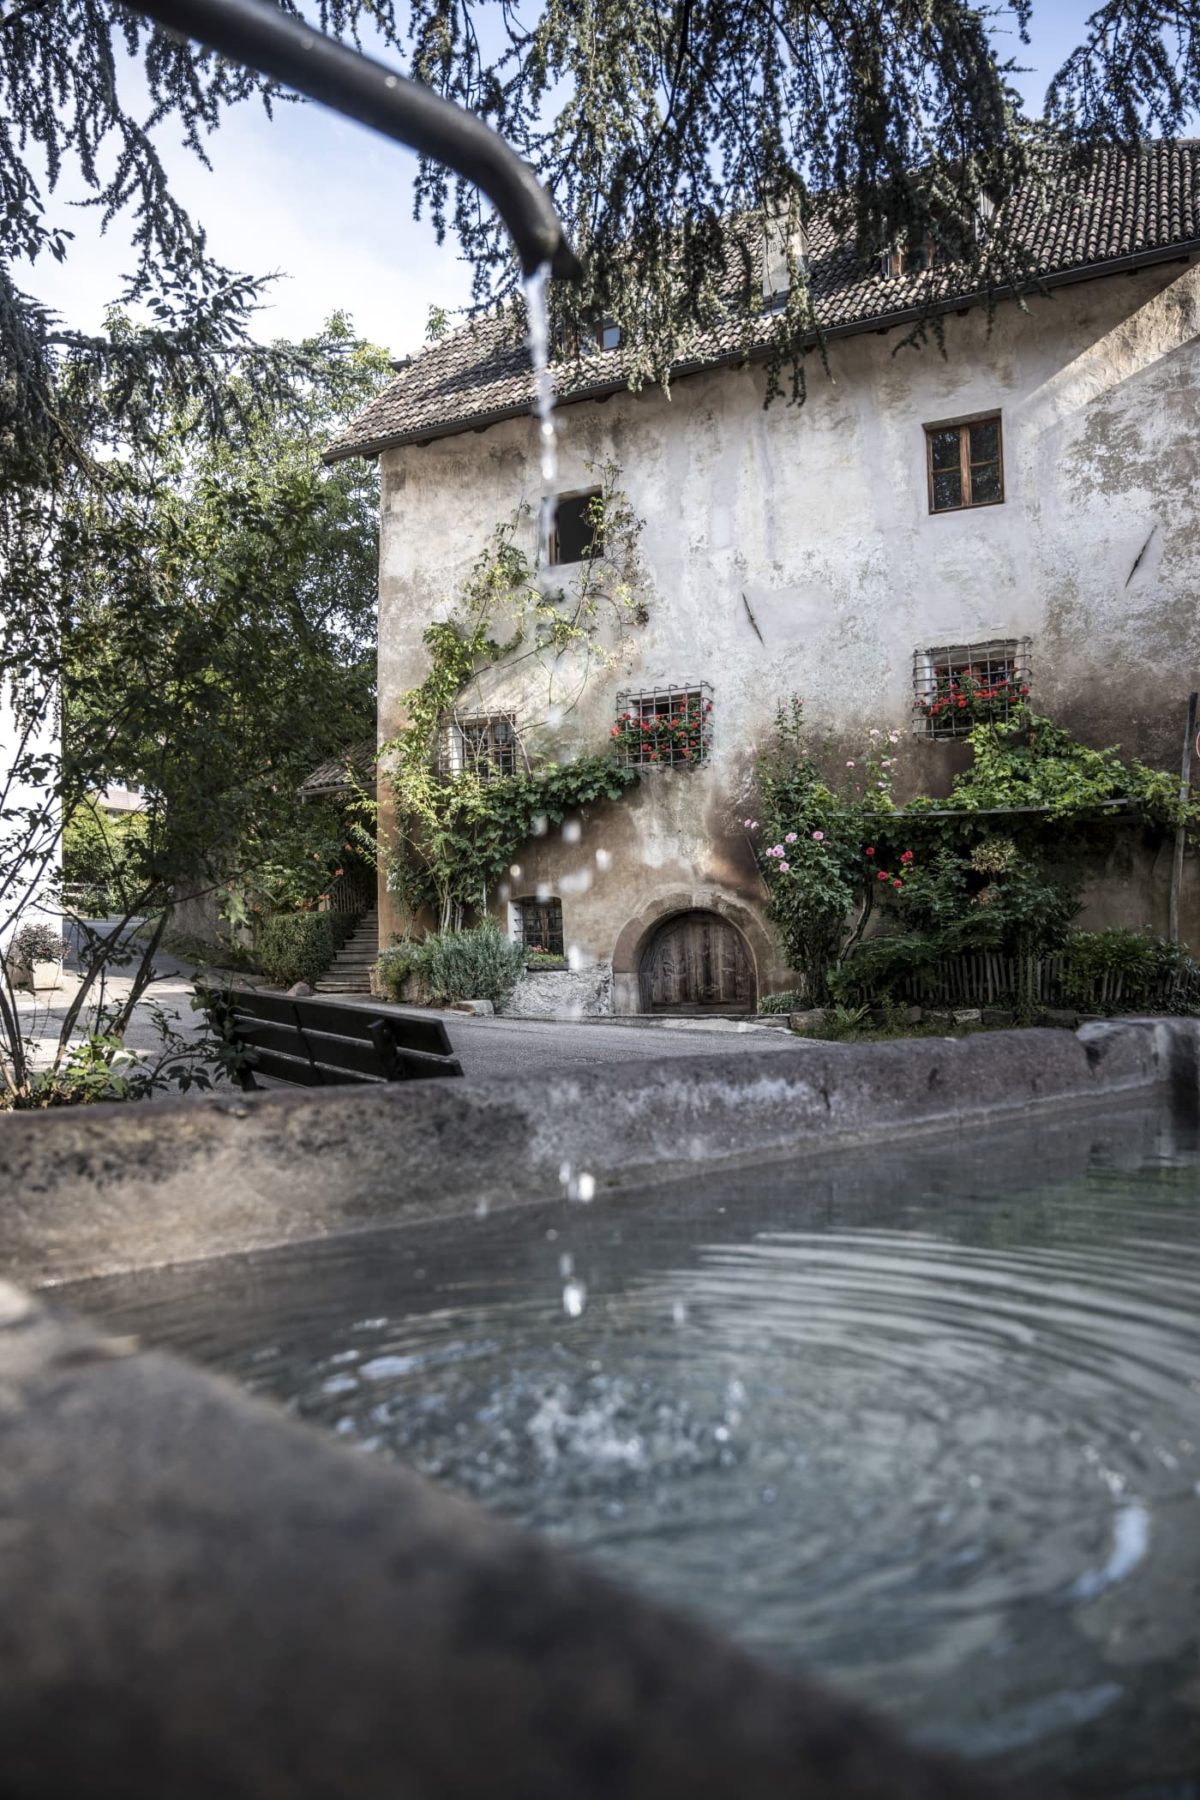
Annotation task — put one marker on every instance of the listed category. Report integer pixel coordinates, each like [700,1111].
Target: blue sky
[329,205]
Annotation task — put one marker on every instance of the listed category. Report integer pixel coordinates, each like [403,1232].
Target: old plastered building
[1031,499]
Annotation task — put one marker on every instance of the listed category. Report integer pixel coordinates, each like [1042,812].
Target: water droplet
[564,1174]
[538,327]
[574,1298]
[543,893]
[678,1313]
[389,81]
[515,871]
[551,1236]
[572,831]
[603,860]
[566,1264]
[482,1207]
[537,827]
[585,1188]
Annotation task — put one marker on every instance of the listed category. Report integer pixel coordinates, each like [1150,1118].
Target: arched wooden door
[697,962]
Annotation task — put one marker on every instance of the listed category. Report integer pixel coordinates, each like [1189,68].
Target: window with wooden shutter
[966,464]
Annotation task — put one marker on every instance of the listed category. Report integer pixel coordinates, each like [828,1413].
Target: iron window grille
[538,925]
[959,686]
[965,464]
[485,746]
[665,728]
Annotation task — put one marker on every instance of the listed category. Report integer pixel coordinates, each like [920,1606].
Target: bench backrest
[320,1043]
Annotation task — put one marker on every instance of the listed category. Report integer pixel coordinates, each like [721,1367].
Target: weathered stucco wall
[819,516]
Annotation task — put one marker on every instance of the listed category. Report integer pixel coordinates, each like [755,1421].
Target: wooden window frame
[965,465]
[547,906]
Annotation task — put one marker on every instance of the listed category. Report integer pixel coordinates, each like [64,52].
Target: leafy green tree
[205,609]
[665,130]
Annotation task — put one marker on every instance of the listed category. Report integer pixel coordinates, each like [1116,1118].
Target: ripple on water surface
[925,1424]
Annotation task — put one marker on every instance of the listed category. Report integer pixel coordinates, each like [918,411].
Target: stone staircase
[350,970]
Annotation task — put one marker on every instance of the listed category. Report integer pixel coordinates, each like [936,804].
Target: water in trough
[925,1421]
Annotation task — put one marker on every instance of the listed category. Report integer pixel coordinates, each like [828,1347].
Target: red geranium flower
[870,850]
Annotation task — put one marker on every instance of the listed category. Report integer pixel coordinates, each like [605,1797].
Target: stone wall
[100,1188]
[792,549]
[563,993]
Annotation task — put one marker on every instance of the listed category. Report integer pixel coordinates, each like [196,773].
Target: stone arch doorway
[696,962]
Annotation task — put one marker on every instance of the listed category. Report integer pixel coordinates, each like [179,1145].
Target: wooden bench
[322,1043]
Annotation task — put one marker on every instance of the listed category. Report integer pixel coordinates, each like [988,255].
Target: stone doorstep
[649,1021]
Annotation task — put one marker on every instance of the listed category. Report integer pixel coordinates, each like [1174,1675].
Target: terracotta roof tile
[1141,203]
[355,767]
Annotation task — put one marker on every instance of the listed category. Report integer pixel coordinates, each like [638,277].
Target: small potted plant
[539,960]
[35,958]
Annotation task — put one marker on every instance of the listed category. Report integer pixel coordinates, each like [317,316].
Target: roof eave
[876,322]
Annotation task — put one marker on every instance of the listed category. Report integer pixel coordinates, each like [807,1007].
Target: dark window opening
[578,532]
[966,464]
[909,259]
[539,925]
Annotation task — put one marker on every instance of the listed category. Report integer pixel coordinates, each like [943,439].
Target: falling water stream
[538,330]
[927,1422]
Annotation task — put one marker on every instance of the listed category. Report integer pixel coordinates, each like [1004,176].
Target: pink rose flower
[785,868]
[818,837]
[790,838]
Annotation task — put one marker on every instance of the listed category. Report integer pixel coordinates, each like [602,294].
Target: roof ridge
[480,373]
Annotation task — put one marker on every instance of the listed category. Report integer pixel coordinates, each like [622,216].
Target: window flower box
[667,728]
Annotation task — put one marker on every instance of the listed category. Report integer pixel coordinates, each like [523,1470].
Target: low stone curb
[98,1189]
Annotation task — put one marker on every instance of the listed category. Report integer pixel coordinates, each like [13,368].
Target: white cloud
[309,194]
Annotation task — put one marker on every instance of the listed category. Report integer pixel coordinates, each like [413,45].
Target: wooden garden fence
[985,978]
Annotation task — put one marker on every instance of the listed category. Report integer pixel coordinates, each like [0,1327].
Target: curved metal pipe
[259,35]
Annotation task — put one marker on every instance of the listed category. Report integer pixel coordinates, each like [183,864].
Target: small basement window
[959,686]
[578,533]
[664,728]
[485,746]
[539,925]
[966,464]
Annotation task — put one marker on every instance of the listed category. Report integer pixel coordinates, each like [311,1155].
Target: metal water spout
[262,37]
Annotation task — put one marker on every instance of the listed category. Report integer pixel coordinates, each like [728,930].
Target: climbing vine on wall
[457,830]
[995,865]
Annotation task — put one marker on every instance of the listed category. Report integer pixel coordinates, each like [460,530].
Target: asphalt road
[501,1046]
[495,1046]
